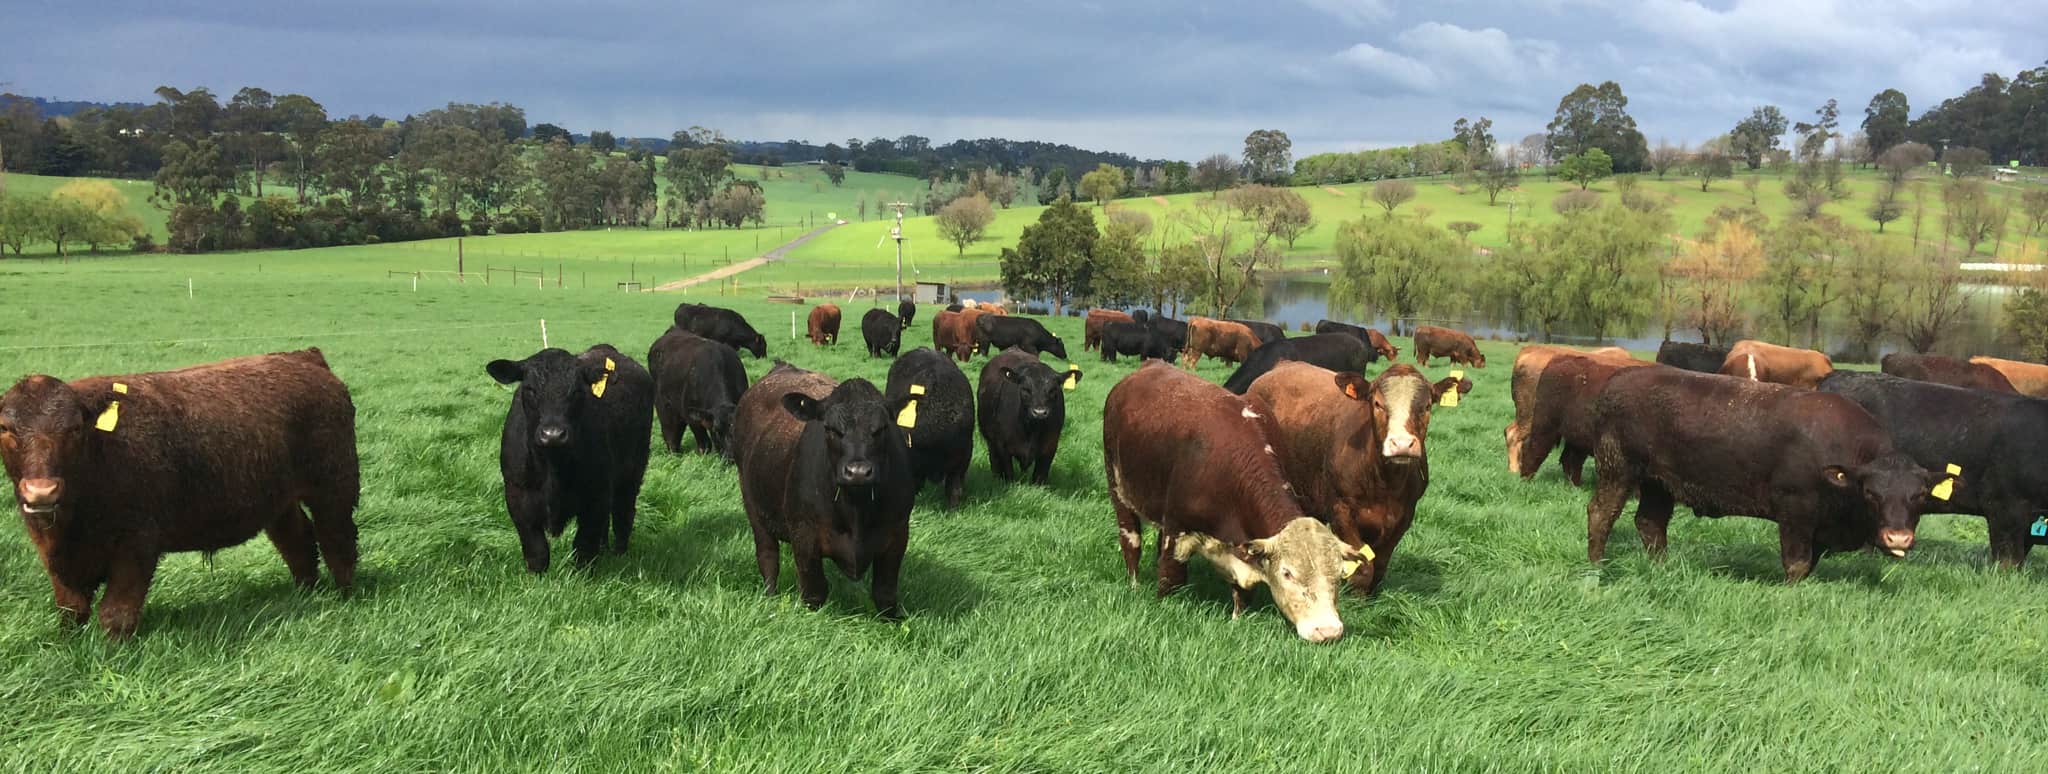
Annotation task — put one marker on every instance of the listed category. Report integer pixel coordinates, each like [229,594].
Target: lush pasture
[1493,646]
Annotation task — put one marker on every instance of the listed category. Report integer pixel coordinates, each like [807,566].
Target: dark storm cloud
[1149,77]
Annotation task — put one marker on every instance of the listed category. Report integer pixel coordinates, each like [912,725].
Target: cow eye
[1287,573]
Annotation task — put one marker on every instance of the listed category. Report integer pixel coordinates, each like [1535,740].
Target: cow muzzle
[551,436]
[1320,630]
[1039,412]
[39,496]
[1896,542]
[1402,448]
[856,474]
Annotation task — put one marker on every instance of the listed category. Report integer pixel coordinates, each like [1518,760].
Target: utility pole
[896,233]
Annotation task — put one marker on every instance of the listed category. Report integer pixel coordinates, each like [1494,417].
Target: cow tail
[1752,366]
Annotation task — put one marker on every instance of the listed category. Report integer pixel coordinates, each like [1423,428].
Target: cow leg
[1240,598]
[999,462]
[625,499]
[1653,518]
[530,518]
[74,603]
[591,526]
[1041,469]
[956,487]
[671,429]
[1173,573]
[292,534]
[1130,537]
[768,559]
[810,577]
[128,580]
[1796,549]
[1605,506]
[2007,523]
[1573,461]
[334,530]
[888,567]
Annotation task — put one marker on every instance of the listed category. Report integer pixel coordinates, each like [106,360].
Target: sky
[1152,78]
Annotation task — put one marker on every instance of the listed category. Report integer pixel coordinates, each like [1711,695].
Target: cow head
[1895,489]
[717,421]
[1305,565]
[906,312]
[44,428]
[554,386]
[859,431]
[759,346]
[1054,344]
[1039,389]
[1400,401]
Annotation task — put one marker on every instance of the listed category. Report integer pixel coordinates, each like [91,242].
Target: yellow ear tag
[597,387]
[907,418]
[112,415]
[1451,395]
[1073,377]
[1351,567]
[1351,391]
[1947,488]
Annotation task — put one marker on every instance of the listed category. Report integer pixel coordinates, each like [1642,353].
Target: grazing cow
[1222,339]
[1371,337]
[720,324]
[995,333]
[1522,380]
[1135,339]
[574,447]
[907,312]
[824,324]
[823,469]
[1760,361]
[882,331]
[1432,341]
[1265,332]
[1560,412]
[941,433]
[1334,351]
[697,385]
[1353,450]
[2026,378]
[1997,439]
[1816,463]
[1023,409]
[1091,329]
[1692,357]
[953,333]
[1200,472]
[1951,371]
[1175,331]
[112,472]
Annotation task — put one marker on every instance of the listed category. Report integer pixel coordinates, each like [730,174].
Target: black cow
[697,384]
[1334,351]
[823,469]
[1136,340]
[941,436]
[574,447]
[1267,332]
[1175,331]
[1374,340]
[907,312]
[1692,357]
[1023,409]
[1000,332]
[882,331]
[1997,439]
[721,324]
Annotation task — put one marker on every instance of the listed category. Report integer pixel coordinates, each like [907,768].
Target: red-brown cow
[953,333]
[1432,341]
[1091,329]
[1560,412]
[1762,361]
[1354,450]
[2027,378]
[824,324]
[1227,341]
[1191,458]
[113,472]
[1941,369]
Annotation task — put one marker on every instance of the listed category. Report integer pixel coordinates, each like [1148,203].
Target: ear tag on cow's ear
[1351,567]
[1351,391]
[1450,398]
[111,416]
[1073,377]
[597,387]
[1947,488]
[907,418]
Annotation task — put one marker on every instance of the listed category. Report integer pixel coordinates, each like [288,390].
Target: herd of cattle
[1297,472]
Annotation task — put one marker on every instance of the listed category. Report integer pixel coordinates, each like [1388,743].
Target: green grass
[1494,645]
[136,191]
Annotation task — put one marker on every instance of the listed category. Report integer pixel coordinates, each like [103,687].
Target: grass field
[1494,645]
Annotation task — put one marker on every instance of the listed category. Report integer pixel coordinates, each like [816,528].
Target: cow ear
[801,406]
[1444,385]
[1356,558]
[93,403]
[592,373]
[1838,476]
[1251,552]
[506,371]
[1353,385]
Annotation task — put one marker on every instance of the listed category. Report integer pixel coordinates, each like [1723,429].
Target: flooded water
[1293,299]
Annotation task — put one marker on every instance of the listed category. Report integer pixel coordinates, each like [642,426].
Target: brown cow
[1529,365]
[991,307]
[1196,461]
[953,332]
[1091,329]
[824,324]
[1762,361]
[1432,341]
[113,472]
[1224,340]
[2026,378]
[1612,352]
[1381,345]
[1941,369]
[1560,412]
[1353,449]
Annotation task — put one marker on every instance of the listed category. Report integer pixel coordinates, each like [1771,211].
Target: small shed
[930,293]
